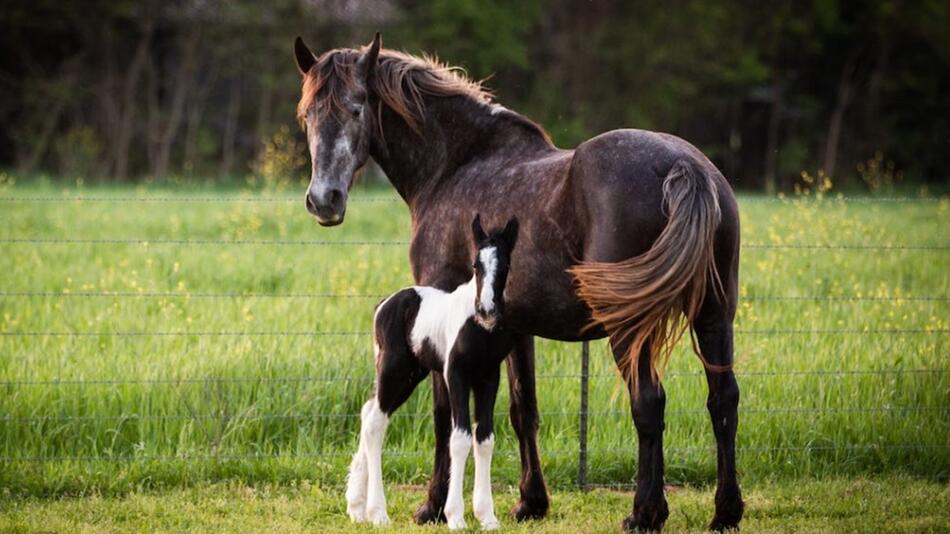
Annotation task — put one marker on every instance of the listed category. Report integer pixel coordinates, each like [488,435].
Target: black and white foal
[459,336]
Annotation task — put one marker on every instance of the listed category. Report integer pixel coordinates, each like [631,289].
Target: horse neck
[457,132]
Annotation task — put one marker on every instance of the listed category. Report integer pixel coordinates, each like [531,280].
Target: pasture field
[183,341]
[832,505]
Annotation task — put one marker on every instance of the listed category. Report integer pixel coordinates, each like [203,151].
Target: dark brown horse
[629,232]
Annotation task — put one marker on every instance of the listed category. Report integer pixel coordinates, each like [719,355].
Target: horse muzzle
[328,206]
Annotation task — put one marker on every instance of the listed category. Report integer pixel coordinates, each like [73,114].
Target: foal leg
[524,419]
[432,511]
[398,374]
[485,392]
[460,444]
[356,480]
[715,336]
[647,407]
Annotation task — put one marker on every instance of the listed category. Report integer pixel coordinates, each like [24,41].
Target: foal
[457,335]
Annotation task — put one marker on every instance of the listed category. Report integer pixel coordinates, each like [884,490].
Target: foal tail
[639,300]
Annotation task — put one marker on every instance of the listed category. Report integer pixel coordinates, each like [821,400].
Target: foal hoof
[530,509]
[429,513]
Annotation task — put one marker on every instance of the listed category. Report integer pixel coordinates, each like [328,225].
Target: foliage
[282,158]
[767,89]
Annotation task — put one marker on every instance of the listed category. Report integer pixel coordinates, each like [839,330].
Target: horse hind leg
[356,480]
[647,406]
[399,373]
[715,337]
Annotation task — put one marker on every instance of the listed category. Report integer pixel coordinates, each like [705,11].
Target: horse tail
[642,300]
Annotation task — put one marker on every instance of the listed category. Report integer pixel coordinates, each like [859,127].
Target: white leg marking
[482,503]
[372,434]
[459,446]
[356,479]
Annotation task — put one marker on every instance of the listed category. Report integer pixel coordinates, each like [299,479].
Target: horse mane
[400,79]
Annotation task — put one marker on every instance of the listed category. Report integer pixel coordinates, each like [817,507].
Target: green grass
[893,504]
[194,409]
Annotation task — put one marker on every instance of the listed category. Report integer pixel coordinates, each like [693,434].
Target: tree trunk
[771,145]
[184,82]
[230,129]
[126,122]
[264,109]
[843,99]
[193,123]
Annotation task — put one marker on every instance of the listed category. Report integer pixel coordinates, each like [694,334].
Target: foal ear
[303,55]
[367,62]
[477,232]
[510,233]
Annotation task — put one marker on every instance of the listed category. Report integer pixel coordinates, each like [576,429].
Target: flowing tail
[640,300]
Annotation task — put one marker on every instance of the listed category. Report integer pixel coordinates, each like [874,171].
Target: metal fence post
[582,432]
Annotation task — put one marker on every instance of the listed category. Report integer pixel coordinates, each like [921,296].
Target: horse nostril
[311,205]
[335,198]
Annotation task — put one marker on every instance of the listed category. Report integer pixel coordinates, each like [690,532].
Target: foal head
[336,115]
[492,261]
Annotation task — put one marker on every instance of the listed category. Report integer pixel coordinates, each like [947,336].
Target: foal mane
[400,79]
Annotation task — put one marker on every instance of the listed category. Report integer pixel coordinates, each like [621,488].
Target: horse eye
[356,111]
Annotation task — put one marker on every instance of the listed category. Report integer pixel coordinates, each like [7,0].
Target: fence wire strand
[67,294]
[387,199]
[386,243]
[369,378]
[224,457]
[358,333]
[241,417]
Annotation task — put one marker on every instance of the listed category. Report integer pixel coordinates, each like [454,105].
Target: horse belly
[548,307]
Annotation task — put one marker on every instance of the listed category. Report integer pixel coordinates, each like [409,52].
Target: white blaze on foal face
[488,257]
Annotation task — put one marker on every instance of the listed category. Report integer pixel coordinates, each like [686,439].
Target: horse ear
[477,232]
[510,233]
[303,55]
[367,63]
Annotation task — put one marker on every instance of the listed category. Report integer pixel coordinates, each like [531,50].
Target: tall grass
[176,409]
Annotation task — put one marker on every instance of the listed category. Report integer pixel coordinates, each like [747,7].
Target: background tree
[124,90]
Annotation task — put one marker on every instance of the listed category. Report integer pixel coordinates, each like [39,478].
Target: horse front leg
[647,407]
[432,511]
[524,419]
[716,344]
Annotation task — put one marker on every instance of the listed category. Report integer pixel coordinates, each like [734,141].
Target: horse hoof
[429,513]
[729,509]
[357,516]
[525,510]
[491,525]
[720,525]
[640,522]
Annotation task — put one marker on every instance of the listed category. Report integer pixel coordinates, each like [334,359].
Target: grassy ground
[112,415]
[895,504]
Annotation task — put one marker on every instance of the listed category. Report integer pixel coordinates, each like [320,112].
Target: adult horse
[621,237]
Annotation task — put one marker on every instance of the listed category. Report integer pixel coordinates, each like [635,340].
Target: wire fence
[397,243]
[584,414]
[258,198]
